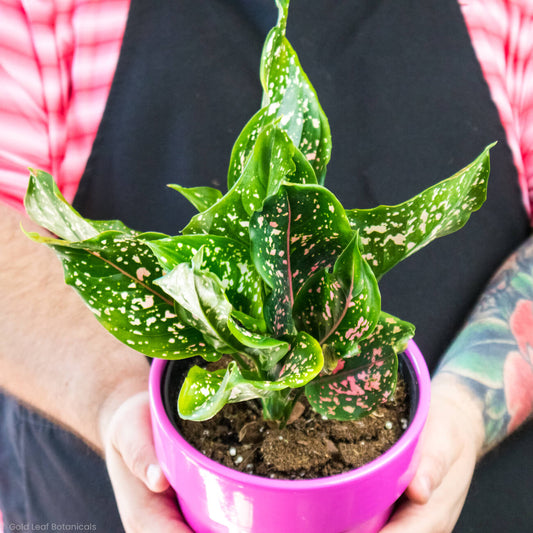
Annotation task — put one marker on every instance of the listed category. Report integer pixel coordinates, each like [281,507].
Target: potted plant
[276,284]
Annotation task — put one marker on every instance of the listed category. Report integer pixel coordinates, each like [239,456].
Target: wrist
[124,390]
[467,407]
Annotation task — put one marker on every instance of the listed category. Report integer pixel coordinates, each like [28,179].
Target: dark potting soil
[308,447]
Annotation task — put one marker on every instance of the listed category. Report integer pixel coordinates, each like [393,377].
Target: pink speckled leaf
[362,382]
[300,230]
[339,308]
[114,274]
[389,234]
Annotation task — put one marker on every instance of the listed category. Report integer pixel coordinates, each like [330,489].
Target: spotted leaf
[114,274]
[360,383]
[302,364]
[204,393]
[201,197]
[228,259]
[300,230]
[339,308]
[290,100]
[202,302]
[389,234]
[47,207]
[274,159]
[265,349]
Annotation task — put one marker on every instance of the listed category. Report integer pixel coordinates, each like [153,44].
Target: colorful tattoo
[493,354]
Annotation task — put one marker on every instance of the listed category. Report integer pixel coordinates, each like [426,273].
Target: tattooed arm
[493,355]
[481,392]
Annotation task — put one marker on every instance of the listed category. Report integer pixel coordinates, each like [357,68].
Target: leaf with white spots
[47,207]
[114,274]
[300,230]
[274,159]
[205,393]
[290,100]
[202,302]
[339,308]
[362,382]
[201,197]
[228,259]
[389,234]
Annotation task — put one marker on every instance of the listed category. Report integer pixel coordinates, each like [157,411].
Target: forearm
[54,355]
[492,357]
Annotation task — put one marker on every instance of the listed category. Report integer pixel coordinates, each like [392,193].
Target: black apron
[408,106]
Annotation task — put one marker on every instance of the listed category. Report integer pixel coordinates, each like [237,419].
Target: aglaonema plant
[276,274]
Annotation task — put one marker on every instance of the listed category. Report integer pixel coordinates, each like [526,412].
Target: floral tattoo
[493,354]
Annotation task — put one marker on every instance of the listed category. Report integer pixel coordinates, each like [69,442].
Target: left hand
[451,443]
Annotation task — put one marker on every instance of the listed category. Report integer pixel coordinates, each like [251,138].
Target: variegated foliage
[276,274]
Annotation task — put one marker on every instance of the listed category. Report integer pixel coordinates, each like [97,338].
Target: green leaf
[390,234]
[245,143]
[303,363]
[47,207]
[340,308]
[114,274]
[228,259]
[300,230]
[362,382]
[266,350]
[204,393]
[201,197]
[290,100]
[201,295]
[288,94]
[274,159]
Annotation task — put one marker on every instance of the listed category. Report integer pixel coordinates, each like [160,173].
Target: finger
[131,436]
[442,510]
[141,510]
[440,449]
[452,429]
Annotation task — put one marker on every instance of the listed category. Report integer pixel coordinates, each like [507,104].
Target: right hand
[145,501]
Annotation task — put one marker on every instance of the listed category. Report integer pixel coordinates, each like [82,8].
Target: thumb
[131,435]
[450,429]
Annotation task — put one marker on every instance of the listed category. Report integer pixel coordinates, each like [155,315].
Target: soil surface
[308,447]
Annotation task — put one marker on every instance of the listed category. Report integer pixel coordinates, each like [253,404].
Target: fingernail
[153,475]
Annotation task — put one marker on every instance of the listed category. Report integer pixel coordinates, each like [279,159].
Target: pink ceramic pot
[214,498]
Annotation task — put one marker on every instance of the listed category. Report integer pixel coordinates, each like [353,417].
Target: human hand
[145,501]
[451,444]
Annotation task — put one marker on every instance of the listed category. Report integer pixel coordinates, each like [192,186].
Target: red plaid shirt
[57,60]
